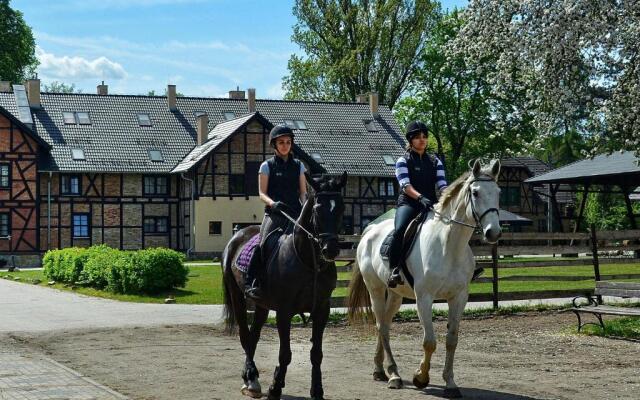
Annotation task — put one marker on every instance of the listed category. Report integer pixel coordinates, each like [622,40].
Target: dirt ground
[529,356]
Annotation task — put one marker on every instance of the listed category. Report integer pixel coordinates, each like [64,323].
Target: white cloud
[66,67]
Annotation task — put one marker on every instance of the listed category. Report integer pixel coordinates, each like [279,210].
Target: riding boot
[252,288]
[395,278]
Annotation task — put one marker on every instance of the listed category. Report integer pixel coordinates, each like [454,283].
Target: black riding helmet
[277,131]
[415,127]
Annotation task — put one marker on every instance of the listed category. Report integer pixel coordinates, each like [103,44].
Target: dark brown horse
[299,277]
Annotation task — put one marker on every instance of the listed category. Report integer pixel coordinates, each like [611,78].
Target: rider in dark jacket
[283,188]
[419,174]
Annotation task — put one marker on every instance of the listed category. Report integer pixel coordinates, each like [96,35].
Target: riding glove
[425,203]
[277,206]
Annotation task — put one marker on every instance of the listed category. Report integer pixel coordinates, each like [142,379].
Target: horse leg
[456,307]
[284,358]
[384,311]
[250,374]
[421,377]
[320,318]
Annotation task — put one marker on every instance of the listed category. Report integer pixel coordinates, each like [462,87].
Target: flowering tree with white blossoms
[575,62]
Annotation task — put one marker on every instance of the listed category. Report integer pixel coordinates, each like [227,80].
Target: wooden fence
[603,247]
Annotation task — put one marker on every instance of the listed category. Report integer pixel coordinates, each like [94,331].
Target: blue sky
[205,47]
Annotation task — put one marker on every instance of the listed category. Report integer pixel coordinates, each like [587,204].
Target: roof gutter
[191,215]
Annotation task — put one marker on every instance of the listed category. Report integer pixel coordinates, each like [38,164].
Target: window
[370,125]
[510,196]
[388,160]
[228,115]
[386,187]
[70,184]
[236,184]
[83,118]
[144,120]
[81,225]
[5,175]
[295,124]
[77,154]
[290,123]
[5,227]
[317,157]
[156,225]
[215,228]
[300,124]
[69,118]
[155,185]
[156,156]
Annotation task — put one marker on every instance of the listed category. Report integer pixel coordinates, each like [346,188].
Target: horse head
[328,208]
[484,195]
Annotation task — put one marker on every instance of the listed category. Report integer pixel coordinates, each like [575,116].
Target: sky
[204,47]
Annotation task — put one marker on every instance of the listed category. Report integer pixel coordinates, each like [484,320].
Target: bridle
[474,212]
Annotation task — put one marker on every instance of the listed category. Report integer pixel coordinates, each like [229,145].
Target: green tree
[450,94]
[357,46]
[60,87]
[17,46]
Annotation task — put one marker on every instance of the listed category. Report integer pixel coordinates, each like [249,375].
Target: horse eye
[475,193]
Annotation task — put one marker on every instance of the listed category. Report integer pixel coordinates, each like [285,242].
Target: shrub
[155,270]
[64,265]
[99,261]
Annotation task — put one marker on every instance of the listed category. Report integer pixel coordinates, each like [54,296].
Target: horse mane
[453,190]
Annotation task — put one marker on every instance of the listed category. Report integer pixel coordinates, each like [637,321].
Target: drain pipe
[49,211]
[192,236]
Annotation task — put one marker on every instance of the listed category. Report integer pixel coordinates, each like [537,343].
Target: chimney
[362,98]
[103,89]
[5,87]
[33,92]
[171,99]
[373,103]
[202,121]
[236,94]
[251,101]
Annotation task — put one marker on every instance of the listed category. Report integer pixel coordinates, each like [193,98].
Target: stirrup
[395,278]
[253,291]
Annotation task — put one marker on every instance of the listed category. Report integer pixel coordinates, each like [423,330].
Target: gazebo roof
[619,168]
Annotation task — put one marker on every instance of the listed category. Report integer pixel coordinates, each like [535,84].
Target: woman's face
[419,142]
[283,145]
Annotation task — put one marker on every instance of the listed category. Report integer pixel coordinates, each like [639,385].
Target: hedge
[146,271]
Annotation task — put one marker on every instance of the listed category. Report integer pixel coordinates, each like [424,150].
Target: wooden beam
[627,202]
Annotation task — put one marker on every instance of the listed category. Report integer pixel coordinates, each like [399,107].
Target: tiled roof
[22,126]
[114,142]
[215,138]
[532,164]
[615,168]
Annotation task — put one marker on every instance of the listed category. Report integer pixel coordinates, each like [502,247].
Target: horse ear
[343,179]
[470,163]
[495,169]
[312,182]
[476,168]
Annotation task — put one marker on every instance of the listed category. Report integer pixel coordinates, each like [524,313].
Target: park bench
[612,289]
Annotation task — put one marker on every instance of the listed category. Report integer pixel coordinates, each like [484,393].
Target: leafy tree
[450,93]
[357,46]
[166,91]
[576,62]
[17,46]
[61,87]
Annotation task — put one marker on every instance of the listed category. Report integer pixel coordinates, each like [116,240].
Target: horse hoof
[380,376]
[274,394]
[419,384]
[452,393]
[395,383]
[251,393]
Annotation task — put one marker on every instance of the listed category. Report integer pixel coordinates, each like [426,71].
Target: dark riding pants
[404,215]
[270,223]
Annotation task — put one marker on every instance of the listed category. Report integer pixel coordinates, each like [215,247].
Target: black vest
[284,178]
[422,175]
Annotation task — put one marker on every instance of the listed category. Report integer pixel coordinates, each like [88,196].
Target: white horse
[441,263]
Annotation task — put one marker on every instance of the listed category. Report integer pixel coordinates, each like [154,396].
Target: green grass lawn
[205,282]
[627,327]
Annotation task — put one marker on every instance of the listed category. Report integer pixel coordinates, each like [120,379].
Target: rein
[478,219]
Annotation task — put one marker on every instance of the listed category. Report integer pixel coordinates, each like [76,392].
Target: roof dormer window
[69,118]
[144,119]
[156,156]
[295,124]
[83,118]
[228,115]
[388,159]
[77,155]
[317,157]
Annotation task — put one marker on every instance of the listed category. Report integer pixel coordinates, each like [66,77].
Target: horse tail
[227,311]
[358,302]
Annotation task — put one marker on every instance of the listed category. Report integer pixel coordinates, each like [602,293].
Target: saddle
[269,247]
[408,240]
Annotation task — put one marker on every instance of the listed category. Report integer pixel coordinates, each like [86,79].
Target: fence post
[494,268]
[594,251]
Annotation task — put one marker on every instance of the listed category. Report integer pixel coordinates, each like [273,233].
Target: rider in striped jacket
[419,175]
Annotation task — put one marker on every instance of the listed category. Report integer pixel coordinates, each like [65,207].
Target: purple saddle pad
[247,251]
